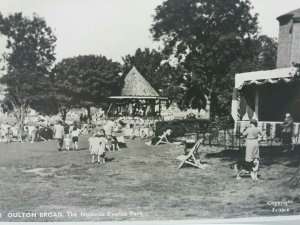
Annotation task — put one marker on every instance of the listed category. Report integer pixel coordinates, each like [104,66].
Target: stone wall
[284,45]
[288,43]
[295,45]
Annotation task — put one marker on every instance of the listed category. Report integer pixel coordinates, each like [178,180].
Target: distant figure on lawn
[75,134]
[34,134]
[115,143]
[98,145]
[5,131]
[67,141]
[59,133]
[108,127]
[252,134]
[287,132]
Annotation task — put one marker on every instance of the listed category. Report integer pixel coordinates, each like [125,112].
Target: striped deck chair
[190,158]
[163,138]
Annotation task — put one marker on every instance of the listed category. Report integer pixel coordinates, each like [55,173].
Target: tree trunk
[20,114]
[64,114]
[295,181]
[88,109]
[208,107]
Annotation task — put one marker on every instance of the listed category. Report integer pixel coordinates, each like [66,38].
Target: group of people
[66,134]
[100,141]
[10,133]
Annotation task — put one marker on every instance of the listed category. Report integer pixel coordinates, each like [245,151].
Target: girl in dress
[67,142]
[98,144]
[93,146]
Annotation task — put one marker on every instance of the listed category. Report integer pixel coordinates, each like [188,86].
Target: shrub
[201,126]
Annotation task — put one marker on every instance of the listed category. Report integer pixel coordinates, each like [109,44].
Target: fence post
[209,136]
[218,136]
[225,139]
[232,139]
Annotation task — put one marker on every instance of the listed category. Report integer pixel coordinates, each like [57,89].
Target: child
[98,144]
[114,143]
[75,133]
[102,146]
[143,134]
[67,142]
[93,146]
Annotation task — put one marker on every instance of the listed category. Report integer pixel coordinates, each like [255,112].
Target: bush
[181,127]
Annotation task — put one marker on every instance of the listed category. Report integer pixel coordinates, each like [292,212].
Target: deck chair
[190,157]
[163,138]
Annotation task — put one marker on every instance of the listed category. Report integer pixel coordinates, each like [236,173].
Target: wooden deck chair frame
[163,139]
[190,157]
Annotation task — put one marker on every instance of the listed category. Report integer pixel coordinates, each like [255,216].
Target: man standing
[59,133]
[287,132]
[5,129]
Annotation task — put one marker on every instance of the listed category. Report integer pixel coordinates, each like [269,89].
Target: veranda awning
[265,76]
[138,97]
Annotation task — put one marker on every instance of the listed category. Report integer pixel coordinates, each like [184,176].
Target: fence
[224,133]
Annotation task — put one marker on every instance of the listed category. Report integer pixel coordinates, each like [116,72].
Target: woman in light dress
[253,135]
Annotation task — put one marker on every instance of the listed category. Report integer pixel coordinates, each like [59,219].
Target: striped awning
[266,76]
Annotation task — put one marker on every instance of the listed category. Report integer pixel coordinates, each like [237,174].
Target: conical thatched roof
[293,14]
[136,85]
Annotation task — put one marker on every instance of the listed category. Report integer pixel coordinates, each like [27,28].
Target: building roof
[292,14]
[137,87]
[265,76]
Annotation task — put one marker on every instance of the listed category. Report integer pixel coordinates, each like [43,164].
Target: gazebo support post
[159,107]
[109,108]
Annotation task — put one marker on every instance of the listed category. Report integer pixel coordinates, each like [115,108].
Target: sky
[116,28]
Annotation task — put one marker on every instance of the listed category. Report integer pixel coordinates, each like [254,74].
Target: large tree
[29,60]
[207,37]
[85,81]
[262,56]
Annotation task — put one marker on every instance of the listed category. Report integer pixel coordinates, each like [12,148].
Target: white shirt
[75,133]
[59,131]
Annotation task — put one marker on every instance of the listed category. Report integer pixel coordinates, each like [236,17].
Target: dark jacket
[287,125]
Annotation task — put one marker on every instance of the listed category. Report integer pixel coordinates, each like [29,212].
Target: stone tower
[289,39]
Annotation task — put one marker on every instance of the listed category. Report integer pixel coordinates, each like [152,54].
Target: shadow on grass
[109,159]
[268,155]
[71,150]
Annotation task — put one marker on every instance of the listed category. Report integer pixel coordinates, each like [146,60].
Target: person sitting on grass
[143,135]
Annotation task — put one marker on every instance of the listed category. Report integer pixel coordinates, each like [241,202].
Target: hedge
[181,127]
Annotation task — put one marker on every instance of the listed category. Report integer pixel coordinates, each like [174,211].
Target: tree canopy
[85,81]
[207,37]
[29,60]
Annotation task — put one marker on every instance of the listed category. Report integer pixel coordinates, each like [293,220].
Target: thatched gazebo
[138,97]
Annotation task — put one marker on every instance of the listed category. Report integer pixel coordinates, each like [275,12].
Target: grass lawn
[139,183]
